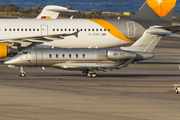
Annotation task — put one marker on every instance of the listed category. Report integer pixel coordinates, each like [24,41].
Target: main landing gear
[91,74]
[23,74]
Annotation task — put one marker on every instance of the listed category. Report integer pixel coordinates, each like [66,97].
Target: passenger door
[44,30]
[130,30]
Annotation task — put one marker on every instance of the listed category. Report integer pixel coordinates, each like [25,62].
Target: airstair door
[44,30]
[131,30]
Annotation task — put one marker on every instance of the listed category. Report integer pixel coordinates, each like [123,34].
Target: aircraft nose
[9,62]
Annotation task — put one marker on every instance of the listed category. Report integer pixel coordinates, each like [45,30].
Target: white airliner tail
[52,12]
[148,41]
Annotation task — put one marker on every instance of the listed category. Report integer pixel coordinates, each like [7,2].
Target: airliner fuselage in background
[89,32]
[84,33]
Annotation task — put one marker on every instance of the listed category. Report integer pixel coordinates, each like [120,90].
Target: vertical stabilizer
[52,12]
[148,41]
[156,10]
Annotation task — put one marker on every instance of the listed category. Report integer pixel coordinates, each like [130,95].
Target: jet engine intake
[6,50]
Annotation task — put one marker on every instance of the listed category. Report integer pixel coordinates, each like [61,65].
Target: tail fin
[148,41]
[156,10]
[52,12]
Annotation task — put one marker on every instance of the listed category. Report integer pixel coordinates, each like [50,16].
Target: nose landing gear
[23,74]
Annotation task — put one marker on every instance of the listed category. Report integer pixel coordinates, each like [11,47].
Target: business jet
[18,34]
[89,60]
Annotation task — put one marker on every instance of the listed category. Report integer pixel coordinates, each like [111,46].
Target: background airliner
[17,34]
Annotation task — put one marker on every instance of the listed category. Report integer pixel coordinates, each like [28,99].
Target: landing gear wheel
[94,75]
[88,74]
[22,75]
[177,91]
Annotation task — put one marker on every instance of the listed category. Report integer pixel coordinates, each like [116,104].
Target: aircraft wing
[41,38]
[93,68]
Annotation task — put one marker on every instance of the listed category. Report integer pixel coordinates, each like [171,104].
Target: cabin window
[5,29]
[53,29]
[92,29]
[9,29]
[89,29]
[25,29]
[76,55]
[17,29]
[57,29]
[56,55]
[77,29]
[73,29]
[61,29]
[69,29]
[81,29]
[69,55]
[96,29]
[100,29]
[104,29]
[84,29]
[21,29]
[63,55]
[33,29]
[108,29]
[65,29]
[50,56]
[37,29]
[83,55]
[14,29]
[29,29]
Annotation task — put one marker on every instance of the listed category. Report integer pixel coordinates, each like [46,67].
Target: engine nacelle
[119,55]
[6,50]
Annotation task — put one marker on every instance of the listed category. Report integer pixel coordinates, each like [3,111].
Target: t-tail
[148,41]
[156,10]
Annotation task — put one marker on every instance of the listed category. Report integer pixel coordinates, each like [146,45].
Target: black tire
[22,75]
[94,75]
[177,91]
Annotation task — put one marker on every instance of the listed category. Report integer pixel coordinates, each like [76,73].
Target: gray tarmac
[142,91]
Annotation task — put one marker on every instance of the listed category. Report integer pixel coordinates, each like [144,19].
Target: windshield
[24,52]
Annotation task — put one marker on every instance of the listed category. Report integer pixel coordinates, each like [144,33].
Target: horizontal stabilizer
[173,29]
[60,9]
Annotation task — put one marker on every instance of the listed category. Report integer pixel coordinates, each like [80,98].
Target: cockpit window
[24,52]
[27,52]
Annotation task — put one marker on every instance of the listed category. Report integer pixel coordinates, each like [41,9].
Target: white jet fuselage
[93,33]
